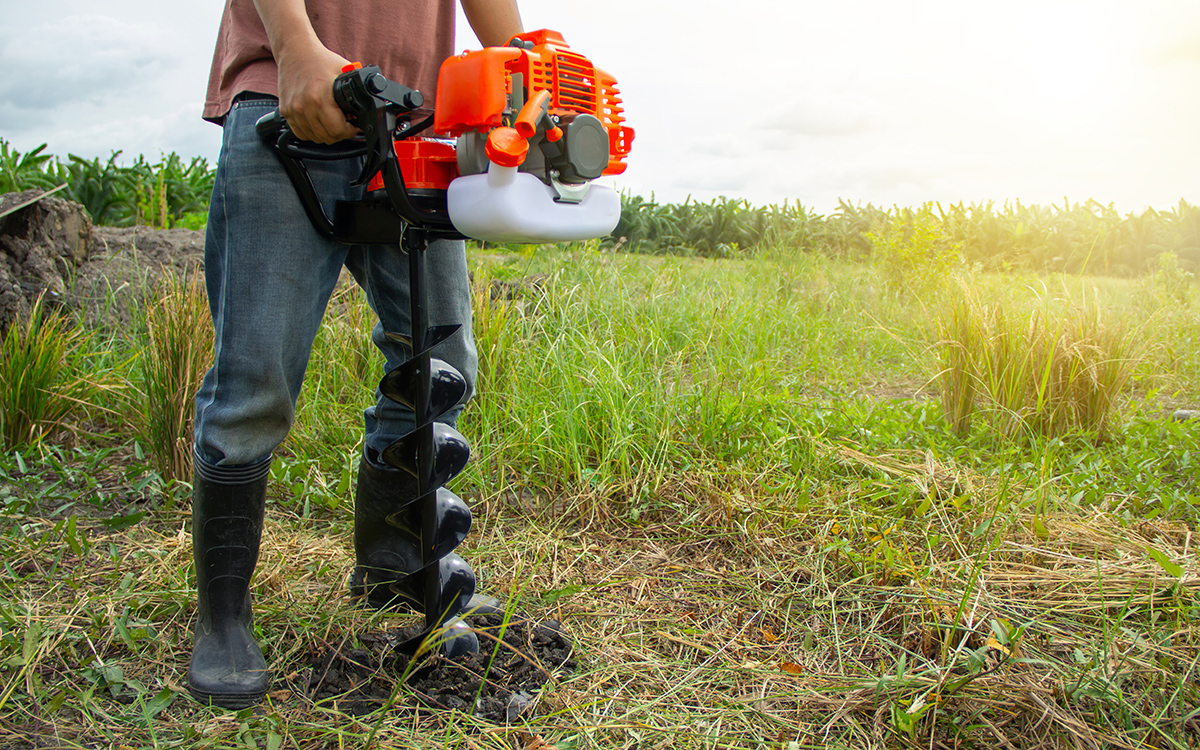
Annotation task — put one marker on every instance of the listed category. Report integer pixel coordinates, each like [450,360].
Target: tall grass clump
[913,253]
[1056,368]
[178,353]
[494,328]
[43,378]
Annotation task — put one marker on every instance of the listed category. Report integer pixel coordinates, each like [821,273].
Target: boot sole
[229,701]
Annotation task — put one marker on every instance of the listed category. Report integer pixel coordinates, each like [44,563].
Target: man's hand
[306,73]
[306,95]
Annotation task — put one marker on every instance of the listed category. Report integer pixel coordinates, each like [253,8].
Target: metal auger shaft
[412,561]
[437,581]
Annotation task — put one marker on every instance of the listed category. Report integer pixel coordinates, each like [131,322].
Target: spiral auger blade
[438,582]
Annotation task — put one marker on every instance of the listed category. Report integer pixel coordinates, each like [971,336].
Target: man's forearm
[306,72]
[287,25]
[493,21]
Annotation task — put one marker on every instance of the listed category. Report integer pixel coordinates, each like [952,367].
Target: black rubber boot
[387,537]
[227,667]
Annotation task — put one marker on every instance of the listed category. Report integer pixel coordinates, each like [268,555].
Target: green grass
[732,480]
[619,368]
[49,377]
[179,331]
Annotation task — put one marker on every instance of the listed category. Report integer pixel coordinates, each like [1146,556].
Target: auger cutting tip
[460,640]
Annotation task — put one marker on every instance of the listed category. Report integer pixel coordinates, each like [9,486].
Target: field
[884,478]
[779,500]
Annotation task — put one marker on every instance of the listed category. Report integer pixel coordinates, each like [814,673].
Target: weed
[1168,282]
[180,336]
[914,253]
[44,378]
[1055,369]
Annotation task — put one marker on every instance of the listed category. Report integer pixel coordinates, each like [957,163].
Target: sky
[867,101]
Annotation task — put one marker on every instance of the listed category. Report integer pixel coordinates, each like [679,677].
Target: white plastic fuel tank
[505,205]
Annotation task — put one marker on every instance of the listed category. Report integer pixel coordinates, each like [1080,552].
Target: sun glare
[1067,57]
[1056,53]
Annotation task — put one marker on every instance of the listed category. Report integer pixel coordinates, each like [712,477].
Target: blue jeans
[270,275]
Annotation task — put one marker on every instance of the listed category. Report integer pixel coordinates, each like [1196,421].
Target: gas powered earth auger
[534,124]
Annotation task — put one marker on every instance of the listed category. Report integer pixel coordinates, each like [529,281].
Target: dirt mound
[126,264]
[49,246]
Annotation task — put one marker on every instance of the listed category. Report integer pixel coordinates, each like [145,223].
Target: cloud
[821,115]
[722,146]
[117,85]
[103,56]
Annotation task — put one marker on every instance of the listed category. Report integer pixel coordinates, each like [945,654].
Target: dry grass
[729,629]
[180,335]
[1051,370]
[780,573]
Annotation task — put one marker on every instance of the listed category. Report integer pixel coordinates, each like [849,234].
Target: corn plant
[1086,237]
[103,189]
[32,169]
[168,191]
[164,194]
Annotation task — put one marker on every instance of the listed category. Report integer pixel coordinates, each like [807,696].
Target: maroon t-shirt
[408,39]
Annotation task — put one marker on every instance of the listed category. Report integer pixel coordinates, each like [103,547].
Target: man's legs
[269,277]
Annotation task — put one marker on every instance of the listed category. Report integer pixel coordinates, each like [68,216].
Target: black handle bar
[381,109]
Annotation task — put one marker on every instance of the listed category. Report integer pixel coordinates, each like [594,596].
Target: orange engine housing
[426,165]
[475,90]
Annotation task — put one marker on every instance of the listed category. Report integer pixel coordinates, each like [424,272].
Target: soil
[48,246]
[499,684]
